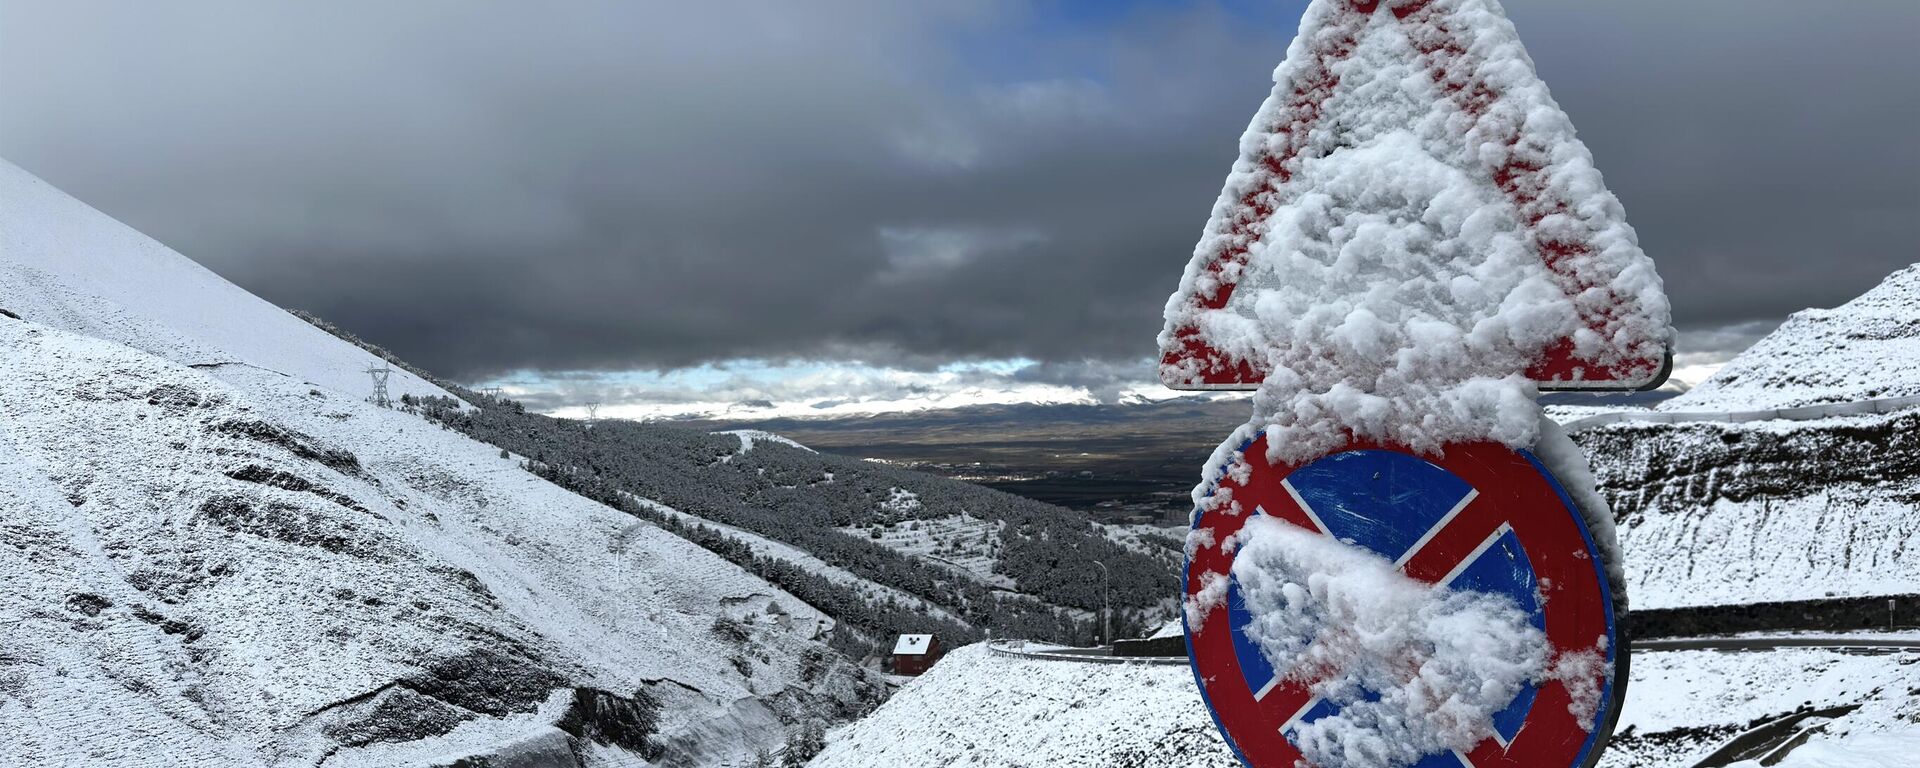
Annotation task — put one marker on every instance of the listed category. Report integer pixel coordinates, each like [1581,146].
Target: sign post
[1407,162]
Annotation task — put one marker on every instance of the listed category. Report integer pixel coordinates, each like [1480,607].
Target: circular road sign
[1483,517]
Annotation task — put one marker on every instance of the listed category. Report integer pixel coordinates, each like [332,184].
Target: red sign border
[1468,462]
[1448,57]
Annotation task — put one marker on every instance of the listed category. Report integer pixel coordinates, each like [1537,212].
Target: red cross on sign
[1485,518]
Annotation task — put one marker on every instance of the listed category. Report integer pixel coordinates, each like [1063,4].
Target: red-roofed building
[915,654]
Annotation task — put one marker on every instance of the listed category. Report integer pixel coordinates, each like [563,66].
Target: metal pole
[1106,608]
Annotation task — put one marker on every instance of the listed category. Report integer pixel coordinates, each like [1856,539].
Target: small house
[915,654]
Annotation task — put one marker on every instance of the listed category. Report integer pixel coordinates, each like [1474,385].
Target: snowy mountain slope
[750,436]
[966,544]
[1040,580]
[777,550]
[1867,348]
[66,265]
[977,709]
[1717,513]
[236,568]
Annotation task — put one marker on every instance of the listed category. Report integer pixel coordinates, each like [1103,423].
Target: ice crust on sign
[1423,669]
[1395,291]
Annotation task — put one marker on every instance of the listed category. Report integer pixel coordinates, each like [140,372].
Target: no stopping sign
[1482,517]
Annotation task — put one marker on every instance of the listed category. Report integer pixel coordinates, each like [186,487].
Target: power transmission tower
[492,393]
[380,374]
[593,414]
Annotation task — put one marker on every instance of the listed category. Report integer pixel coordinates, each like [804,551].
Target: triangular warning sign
[1459,147]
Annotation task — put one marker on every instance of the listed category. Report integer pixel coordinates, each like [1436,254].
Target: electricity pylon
[380,374]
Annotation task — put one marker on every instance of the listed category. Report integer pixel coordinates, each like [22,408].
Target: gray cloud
[491,186]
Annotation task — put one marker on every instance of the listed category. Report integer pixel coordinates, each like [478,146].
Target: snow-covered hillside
[1717,513]
[1714,512]
[1867,348]
[980,709]
[66,265]
[214,564]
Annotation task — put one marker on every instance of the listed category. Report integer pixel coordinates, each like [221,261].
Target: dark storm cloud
[485,187]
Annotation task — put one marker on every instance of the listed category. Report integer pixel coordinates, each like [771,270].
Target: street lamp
[1106,608]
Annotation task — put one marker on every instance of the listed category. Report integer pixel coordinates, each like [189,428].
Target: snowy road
[1843,643]
[1866,644]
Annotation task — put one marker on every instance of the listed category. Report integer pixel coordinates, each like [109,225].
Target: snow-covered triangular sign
[1410,157]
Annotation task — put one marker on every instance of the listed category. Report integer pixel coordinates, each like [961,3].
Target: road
[1855,643]
[1771,741]
[1849,643]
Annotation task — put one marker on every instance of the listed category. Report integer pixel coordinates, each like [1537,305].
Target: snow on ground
[976,709]
[215,553]
[1157,541]
[766,547]
[66,265]
[750,436]
[1683,704]
[1763,511]
[1843,541]
[979,709]
[962,542]
[901,501]
[1564,414]
[1897,749]
[1865,349]
[234,567]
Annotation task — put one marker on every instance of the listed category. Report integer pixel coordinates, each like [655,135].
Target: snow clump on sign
[1412,242]
[1347,622]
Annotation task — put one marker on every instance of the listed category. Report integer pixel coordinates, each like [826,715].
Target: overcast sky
[534,190]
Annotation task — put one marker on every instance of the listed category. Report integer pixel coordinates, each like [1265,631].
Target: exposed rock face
[1717,513]
[1780,511]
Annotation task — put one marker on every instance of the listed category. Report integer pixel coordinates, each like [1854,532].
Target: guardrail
[1018,649]
[1799,413]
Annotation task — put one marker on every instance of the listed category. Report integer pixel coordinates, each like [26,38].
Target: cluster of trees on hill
[804,500]
[826,506]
